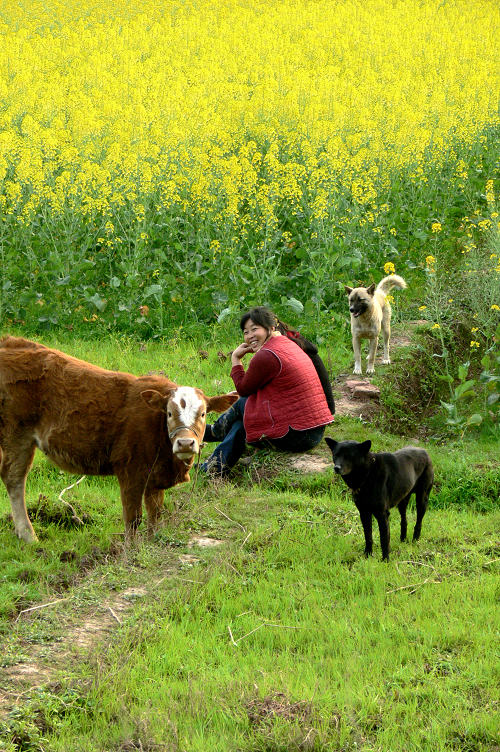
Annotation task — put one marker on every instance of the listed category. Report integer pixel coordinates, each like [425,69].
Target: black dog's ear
[331,442]
[370,290]
[348,289]
[364,447]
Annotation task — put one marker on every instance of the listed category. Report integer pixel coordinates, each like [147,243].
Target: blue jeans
[229,430]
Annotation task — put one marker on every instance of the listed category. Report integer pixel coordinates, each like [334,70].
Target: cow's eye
[203,415]
[169,414]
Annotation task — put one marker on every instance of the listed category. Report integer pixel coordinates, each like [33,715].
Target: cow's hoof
[28,536]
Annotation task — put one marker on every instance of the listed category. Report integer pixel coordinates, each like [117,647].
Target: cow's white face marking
[188,404]
[186,411]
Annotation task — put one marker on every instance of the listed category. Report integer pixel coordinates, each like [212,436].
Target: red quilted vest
[293,399]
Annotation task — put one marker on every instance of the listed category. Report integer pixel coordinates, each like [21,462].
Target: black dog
[382,481]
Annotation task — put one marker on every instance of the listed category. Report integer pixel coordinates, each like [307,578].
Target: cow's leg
[153,501]
[131,494]
[14,467]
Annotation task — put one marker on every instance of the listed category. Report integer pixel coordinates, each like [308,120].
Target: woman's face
[255,335]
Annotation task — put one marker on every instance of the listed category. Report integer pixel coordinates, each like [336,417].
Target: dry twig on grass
[60,498]
[37,608]
[414,586]
[229,518]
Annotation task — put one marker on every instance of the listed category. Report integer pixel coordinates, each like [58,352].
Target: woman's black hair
[260,315]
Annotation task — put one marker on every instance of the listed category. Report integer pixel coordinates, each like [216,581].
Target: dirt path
[75,625]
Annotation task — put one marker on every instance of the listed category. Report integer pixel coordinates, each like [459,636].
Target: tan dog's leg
[356,346]
[386,329]
[370,365]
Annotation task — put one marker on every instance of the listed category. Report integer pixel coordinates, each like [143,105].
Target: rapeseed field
[152,153]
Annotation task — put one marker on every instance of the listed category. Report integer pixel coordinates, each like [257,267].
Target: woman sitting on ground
[282,401]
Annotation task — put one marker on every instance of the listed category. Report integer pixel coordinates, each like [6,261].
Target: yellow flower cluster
[226,110]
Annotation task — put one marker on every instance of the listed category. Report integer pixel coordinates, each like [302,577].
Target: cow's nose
[336,468]
[185,443]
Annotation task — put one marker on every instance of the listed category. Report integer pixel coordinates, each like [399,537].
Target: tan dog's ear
[370,290]
[348,289]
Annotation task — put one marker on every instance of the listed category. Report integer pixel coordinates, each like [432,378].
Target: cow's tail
[393,280]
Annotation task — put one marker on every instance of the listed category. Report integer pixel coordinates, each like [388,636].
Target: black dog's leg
[422,497]
[402,511]
[385,533]
[366,521]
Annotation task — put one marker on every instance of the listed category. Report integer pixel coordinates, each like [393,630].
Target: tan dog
[371,312]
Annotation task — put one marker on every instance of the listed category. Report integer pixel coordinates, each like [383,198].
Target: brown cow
[145,430]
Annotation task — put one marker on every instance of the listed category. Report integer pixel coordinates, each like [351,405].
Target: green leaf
[295,305]
[114,282]
[485,361]
[474,420]
[493,398]
[462,389]
[223,314]
[152,290]
[99,302]
[349,261]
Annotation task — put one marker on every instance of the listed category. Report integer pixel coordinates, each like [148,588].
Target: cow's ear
[331,443]
[364,447]
[155,400]
[348,289]
[370,290]
[221,402]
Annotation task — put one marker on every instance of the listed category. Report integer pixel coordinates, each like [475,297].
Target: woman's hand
[239,353]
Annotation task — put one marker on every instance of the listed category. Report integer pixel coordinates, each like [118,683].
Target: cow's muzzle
[184,447]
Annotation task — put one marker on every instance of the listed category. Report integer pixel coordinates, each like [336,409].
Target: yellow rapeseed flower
[146,105]
[389,267]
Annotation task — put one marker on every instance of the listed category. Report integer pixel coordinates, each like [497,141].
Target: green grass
[396,656]
[333,651]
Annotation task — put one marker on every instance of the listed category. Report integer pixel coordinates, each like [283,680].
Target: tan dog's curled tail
[388,283]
